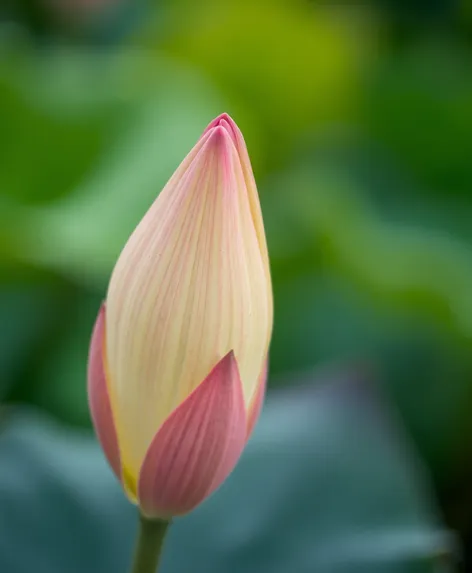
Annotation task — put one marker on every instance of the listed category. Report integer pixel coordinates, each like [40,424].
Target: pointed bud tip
[220,143]
[227,124]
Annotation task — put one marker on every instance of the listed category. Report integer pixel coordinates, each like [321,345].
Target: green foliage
[360,139]
[418,105]
[309,494]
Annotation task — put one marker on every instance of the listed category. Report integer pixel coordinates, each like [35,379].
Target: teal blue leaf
[25,316]
[328,483]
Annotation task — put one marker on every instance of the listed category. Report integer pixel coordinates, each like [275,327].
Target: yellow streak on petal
[130,484]
[190,285]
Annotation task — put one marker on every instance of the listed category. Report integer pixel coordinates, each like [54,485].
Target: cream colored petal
[190,285]
[253,198]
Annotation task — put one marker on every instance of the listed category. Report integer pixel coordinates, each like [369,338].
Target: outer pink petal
[197,447]
[258,400]
[98,396]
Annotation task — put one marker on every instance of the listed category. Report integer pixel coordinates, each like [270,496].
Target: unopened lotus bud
[178,357]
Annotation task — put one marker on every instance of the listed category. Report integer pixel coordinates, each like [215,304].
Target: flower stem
[149,544]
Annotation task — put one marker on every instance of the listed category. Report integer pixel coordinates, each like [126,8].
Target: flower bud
[178,356]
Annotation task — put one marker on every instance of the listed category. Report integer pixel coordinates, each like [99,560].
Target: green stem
[149,545]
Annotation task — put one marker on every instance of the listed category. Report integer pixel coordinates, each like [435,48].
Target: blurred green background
[358,121]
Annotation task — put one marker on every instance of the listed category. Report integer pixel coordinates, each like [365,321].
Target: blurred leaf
[60,381]
[50,22]
[296,66]
[327,483]
[321,318]
[364,287]
[418,106]
[61,508]
[154,124]
[414,14]
[25,316]
[420,269]
[96,23]
[44,152]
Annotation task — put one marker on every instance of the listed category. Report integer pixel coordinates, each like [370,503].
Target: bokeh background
[358,120]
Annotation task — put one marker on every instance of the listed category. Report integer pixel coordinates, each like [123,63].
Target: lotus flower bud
[178,356]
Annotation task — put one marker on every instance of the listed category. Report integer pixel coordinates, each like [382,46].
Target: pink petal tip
[99,398]
[197,447]
[225,121]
